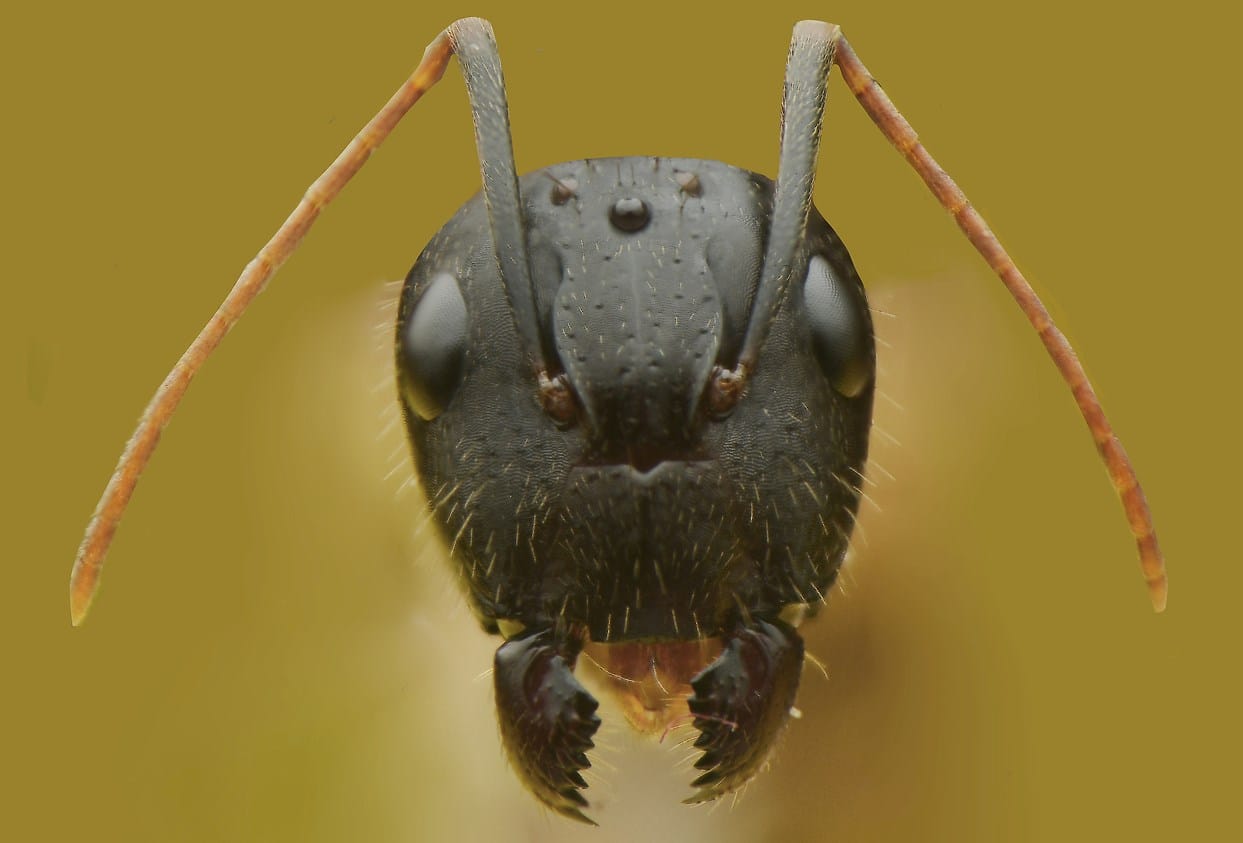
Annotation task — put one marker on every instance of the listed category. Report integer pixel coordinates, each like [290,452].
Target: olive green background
[277,654]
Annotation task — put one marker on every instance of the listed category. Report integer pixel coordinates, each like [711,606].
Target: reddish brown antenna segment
[84,580]
[894,126]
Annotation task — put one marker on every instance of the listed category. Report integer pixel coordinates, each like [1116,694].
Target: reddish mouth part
[651,681]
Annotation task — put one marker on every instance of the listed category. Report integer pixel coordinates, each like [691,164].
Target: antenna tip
[1158,591]
[80,597]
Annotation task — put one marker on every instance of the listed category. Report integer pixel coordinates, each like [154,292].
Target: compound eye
[432,347]
[839,329]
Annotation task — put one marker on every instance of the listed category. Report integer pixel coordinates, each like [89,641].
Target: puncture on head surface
[621,399]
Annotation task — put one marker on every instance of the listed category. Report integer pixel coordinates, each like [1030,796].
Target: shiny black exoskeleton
[638,393]
[643,513]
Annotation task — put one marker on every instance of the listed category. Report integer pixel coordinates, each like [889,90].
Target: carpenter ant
[638,392]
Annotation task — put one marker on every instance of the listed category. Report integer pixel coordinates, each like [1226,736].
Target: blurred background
[279,654]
